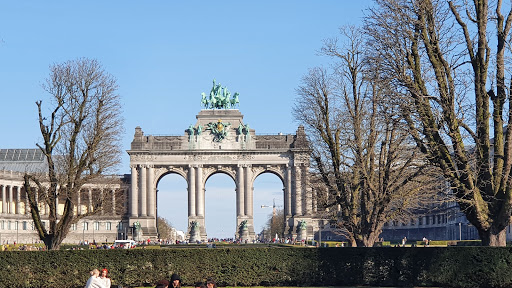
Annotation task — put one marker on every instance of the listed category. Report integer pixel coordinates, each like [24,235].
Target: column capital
[134,166]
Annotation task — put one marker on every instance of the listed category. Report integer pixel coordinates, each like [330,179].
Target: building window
[3,225]
[108,226]
[96,226]
[86,225]
[120,226]
[9,225]
[73,227]
[24,225]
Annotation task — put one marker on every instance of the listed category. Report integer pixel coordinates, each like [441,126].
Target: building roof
[22,160]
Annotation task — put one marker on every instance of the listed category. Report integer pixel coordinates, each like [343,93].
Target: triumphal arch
[221,142]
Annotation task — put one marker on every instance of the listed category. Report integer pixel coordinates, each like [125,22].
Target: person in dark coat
[175,281]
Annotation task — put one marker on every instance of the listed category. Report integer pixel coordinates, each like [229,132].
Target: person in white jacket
[106,280]
[95,281]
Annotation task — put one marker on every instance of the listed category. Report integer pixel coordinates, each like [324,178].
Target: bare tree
[361,149]
[275,224]
[164,229]
[438,54]
[81,143]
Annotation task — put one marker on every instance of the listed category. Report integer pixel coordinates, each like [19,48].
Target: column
[191,191]
[298,192]
[134,193]
[307,193]
[314,196]
[18,200]
[10,200]
[90,200]
[199,191]
[288,192]
[143,192]
[151,191]
[102,197]
[79,205]
[240,191]
[248,191]
[113,201]
[27,203]
[4,200]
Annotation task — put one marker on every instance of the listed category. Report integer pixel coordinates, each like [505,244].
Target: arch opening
[220,206]
[268,205]
[172,196]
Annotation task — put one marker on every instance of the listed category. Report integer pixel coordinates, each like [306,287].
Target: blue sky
[164,54]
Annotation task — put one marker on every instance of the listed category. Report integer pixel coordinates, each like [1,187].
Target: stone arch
[226,146]
[162,172]
[219,169]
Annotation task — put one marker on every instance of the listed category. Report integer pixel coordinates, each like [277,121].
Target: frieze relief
[142,157]
[243,157]
[301,158]
[195,157]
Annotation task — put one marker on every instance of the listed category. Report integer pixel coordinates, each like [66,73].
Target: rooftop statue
[219,98]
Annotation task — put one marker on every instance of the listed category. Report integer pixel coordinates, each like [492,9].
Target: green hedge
[398,267]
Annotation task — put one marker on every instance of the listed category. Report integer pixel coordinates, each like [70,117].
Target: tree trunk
[493,238]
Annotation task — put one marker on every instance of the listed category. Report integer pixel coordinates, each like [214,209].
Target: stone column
[10,200]
[199,191]
[298,191]
[4,200]
[143,192]
[306,192]
[240,206]
[102,197]
[113,201]
[18,200]
[151,191]
[90,200]
[134,193]
[314,196]
[78,203]
[27,203]
[191,191]
[288,192]
[248,191]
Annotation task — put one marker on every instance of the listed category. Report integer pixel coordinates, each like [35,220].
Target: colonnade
[14,203]
[298,201]
[11,198]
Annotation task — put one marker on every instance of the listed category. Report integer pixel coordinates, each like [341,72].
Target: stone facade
[220,142]
[16,222]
